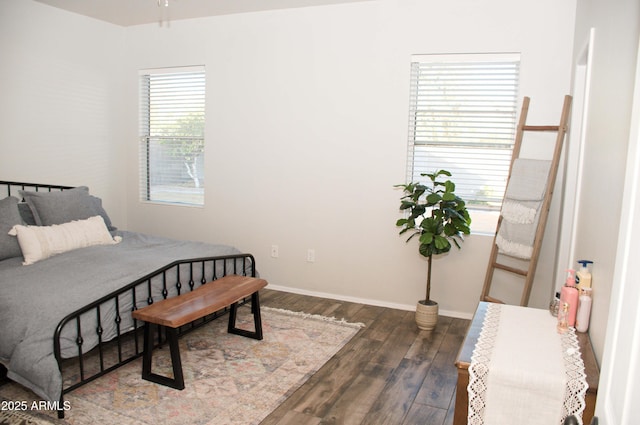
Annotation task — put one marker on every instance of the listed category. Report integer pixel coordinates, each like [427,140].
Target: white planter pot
[427,315]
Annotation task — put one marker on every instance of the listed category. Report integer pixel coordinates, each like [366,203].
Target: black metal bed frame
[127,345]
[34,186]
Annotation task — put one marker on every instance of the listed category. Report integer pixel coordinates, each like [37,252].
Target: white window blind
[463,119]
[172,115]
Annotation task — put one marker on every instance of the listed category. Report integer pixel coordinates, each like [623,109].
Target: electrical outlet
[274,251]
[311,255]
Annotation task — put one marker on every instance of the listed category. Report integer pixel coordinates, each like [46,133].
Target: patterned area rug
[229,379]
[17,417]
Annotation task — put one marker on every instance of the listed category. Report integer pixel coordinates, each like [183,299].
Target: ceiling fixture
[164,13]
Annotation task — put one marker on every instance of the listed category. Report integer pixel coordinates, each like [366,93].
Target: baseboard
[377,303]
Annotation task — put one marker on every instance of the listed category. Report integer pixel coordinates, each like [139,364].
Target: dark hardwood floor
[389,373]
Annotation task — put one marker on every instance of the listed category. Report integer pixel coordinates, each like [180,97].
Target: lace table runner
[523,371]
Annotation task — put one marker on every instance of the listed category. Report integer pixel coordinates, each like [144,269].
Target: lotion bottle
[569,295]
[583,276]
[584,310]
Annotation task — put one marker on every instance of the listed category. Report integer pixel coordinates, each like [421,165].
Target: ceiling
[135,12]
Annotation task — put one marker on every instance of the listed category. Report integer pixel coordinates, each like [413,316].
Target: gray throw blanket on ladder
[521,207]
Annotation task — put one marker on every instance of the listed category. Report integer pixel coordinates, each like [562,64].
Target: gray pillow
[50,208]
[26,214]
[9,217]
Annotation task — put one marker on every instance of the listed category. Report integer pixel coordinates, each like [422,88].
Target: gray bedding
[34,298]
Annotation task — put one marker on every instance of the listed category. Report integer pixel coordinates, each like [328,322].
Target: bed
[65,314]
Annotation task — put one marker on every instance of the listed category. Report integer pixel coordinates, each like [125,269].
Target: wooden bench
[171,313]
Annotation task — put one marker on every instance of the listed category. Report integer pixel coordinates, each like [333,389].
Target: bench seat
[172,313]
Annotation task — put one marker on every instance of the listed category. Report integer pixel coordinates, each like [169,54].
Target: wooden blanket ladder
[529,272]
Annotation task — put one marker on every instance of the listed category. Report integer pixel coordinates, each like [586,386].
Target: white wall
[306,135]
[617,28]
[59,94]
[608,214]
[619,393]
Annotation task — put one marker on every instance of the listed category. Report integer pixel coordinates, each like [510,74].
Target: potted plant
[438,217]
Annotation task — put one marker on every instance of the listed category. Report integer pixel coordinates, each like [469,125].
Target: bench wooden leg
[172,337]
[257,319]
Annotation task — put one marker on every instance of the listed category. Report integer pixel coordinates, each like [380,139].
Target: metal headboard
[9,188]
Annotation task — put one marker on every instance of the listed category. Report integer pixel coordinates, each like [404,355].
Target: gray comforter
[34,298]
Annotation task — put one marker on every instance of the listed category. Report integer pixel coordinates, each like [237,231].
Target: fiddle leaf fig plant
[436,215]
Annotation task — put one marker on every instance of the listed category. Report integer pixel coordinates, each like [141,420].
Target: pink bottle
[569,294]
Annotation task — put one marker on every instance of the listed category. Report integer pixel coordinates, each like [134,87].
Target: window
[172,103]
[463,119]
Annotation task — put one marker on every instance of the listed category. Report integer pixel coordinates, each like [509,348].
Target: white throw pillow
[40,242]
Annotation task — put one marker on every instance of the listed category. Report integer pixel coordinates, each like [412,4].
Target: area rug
[18,417]
[229,379]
